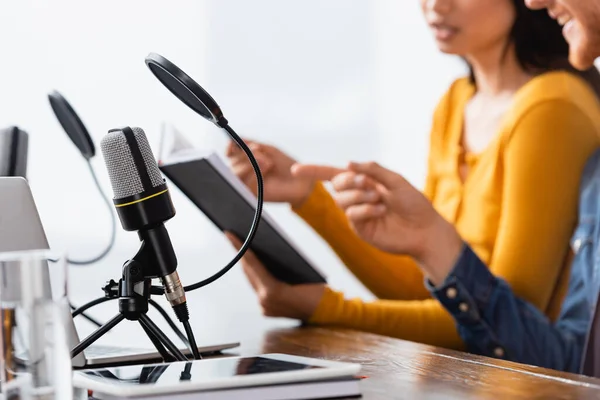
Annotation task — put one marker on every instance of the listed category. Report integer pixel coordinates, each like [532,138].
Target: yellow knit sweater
[517,209]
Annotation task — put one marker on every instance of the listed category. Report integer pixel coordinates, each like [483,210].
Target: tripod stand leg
[97,334]
[147,322]
[157,343]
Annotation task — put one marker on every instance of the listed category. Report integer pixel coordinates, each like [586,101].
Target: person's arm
[493,321]
[543,161]
[541,173]
[387,276]
[423,321]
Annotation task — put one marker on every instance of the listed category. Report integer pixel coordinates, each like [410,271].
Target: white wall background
[327,81]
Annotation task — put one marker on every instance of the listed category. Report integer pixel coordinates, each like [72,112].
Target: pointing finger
[378,173]
[315,172]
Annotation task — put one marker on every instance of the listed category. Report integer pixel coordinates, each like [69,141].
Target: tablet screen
[208,370]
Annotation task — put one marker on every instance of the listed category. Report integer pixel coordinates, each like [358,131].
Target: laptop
[21,229]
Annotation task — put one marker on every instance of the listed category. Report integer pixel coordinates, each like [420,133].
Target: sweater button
[464,307]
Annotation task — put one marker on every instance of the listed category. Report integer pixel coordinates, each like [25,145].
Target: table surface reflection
[396,369]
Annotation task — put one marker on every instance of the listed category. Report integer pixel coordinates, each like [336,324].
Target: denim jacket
[494,322]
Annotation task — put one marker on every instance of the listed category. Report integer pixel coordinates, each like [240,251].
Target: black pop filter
[72,125]
[185,88]
[191,94]
[79,135]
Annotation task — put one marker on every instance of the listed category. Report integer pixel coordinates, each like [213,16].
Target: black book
[210,184]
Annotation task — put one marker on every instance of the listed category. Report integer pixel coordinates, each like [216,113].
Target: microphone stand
[134,291]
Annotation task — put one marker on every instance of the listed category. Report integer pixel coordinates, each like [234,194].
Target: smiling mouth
[563,19]
[443,32]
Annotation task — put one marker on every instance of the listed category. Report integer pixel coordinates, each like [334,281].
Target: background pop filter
[79,135]
[72,124]
[191,94]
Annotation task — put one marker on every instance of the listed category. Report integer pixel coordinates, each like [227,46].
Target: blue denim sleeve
[494,322]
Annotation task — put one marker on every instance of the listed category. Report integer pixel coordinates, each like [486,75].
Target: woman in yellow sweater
[508,145]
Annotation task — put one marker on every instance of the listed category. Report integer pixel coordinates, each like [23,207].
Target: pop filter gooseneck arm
[196,98]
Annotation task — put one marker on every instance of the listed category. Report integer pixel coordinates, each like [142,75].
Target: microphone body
[143,203]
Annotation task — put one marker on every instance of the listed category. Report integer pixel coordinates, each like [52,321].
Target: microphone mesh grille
[149,159]
[122,171]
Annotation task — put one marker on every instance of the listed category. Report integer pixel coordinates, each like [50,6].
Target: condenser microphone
[143,204]
[14,144]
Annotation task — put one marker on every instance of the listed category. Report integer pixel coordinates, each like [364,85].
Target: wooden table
[397,369]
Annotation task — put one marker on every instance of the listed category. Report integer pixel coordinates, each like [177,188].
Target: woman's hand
[387,211]
[278,183]
[276,298]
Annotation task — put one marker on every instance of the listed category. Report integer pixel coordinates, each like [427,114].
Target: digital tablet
[212,375]
[209,183]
